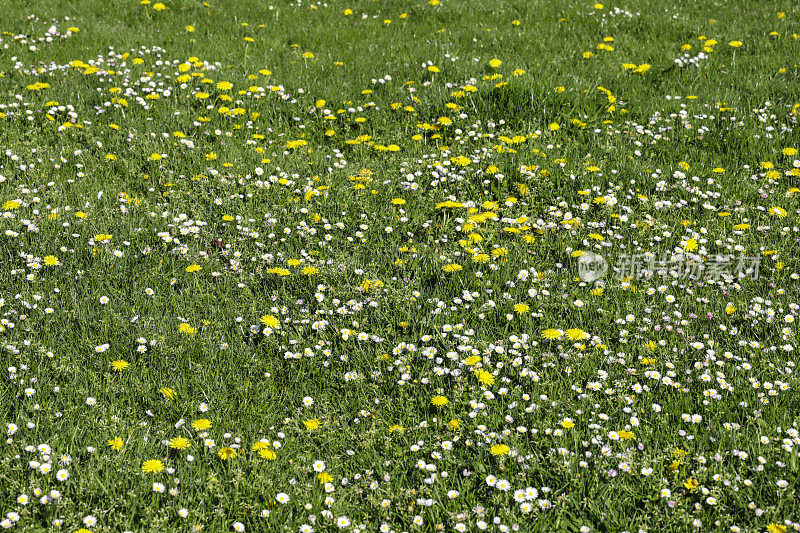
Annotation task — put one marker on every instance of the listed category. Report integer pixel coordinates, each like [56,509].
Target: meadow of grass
[322,266]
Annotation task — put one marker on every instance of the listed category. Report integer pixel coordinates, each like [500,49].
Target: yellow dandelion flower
[552,334]
[499,449]
[186,328]
[521,308]
[152,466]
[179,443]
[267,454]
[777,211]
[486,378]
[201,424]
[312,424]
[226,453]
[270,321]
[576,334]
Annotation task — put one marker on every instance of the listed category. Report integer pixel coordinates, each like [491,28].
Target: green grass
[462,375]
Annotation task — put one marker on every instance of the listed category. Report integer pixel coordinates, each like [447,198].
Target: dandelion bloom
[552,334]
[179,443]
[201,424]
[119,365]
[499,449]
[267,454]
[486,378]
[193,268]
[153,466]
[439,401]
[311,424]
[270,321]
[186,328]
[522,308]
[226,453]
[576,334]
[116,443]
[777,211]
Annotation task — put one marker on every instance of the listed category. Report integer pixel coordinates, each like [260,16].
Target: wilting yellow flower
[168,393]
[691,484]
